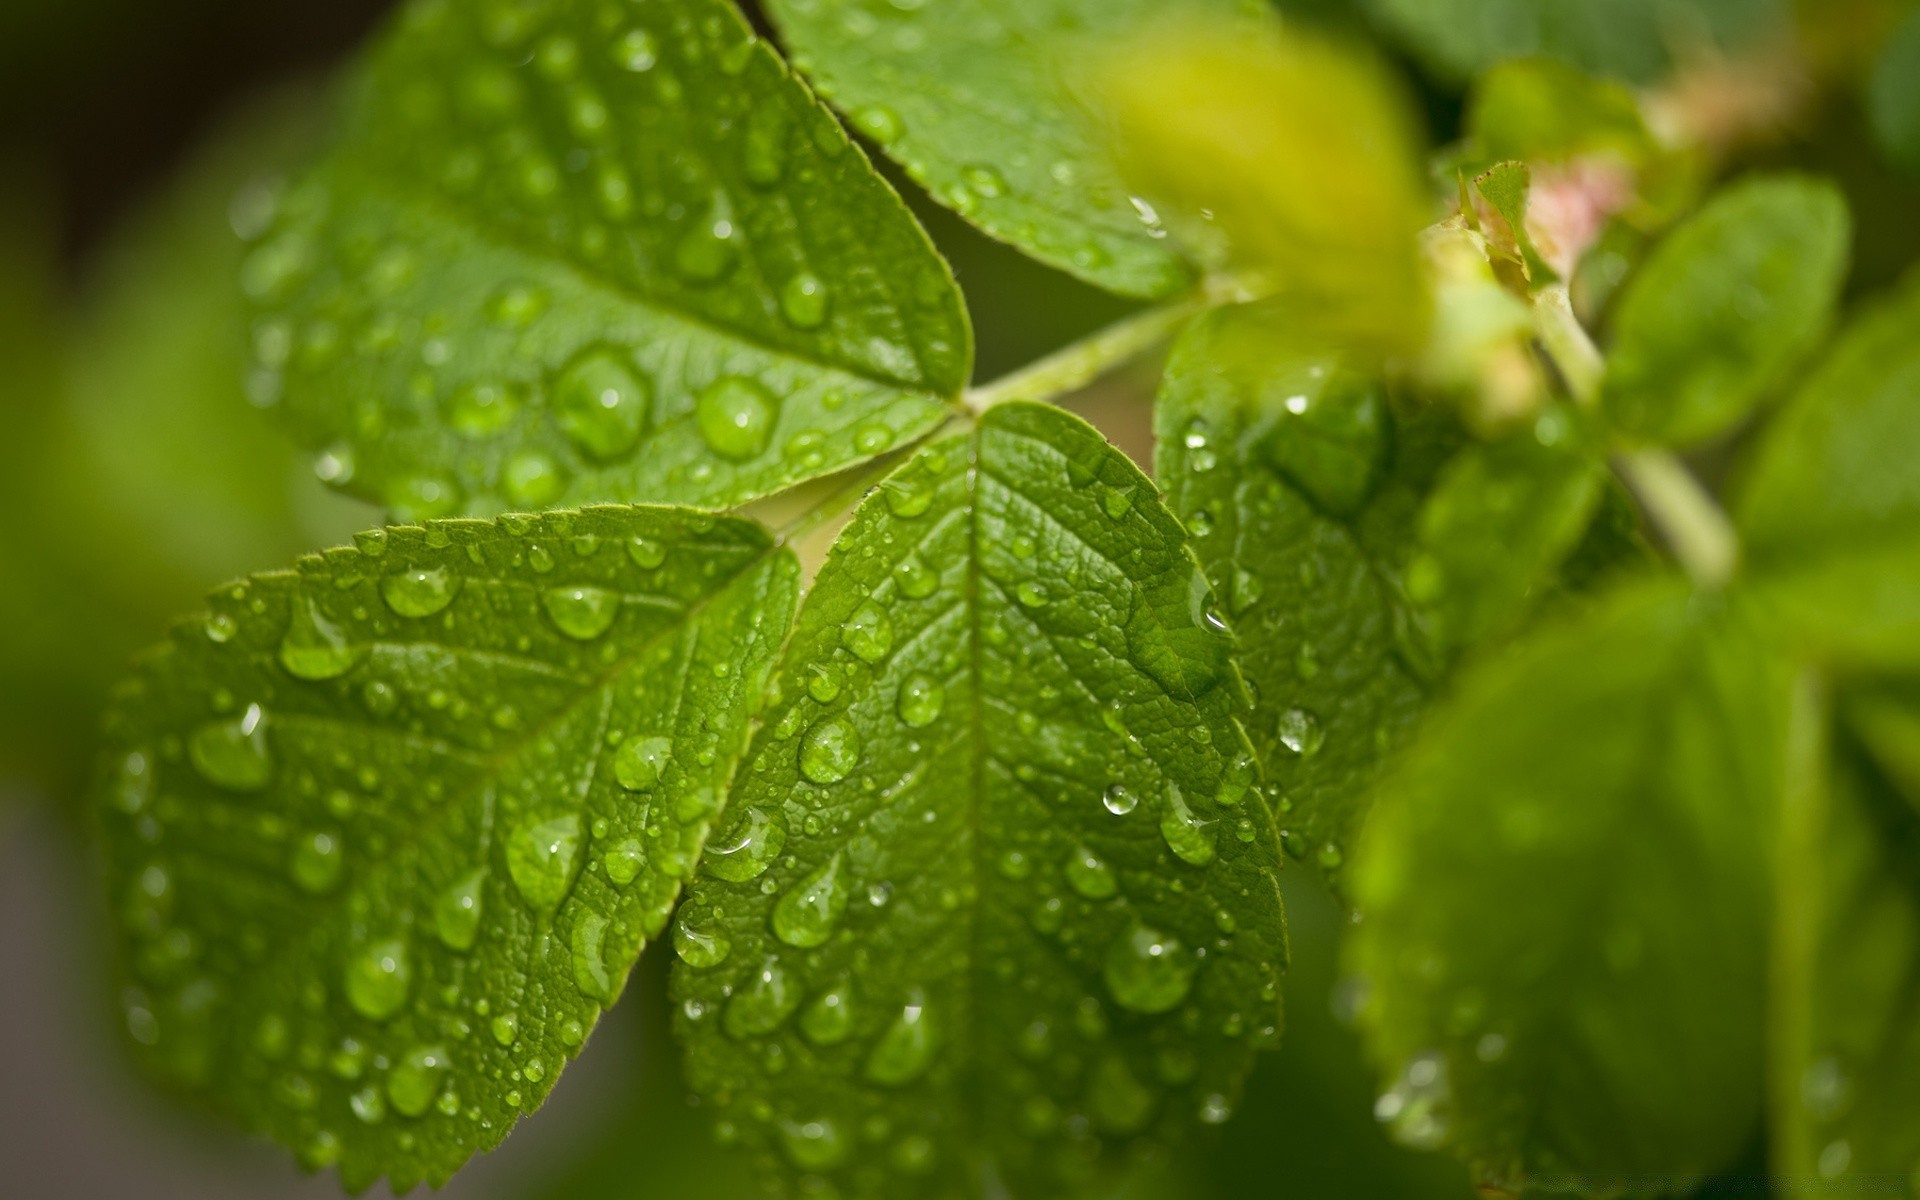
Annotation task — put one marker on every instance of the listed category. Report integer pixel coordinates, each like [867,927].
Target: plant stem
[1073,367]
[1694,526]
[1567,344]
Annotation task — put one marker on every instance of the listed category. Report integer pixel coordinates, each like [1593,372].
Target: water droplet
[646,553]
[1416,1107]
[636,50]
[736,417]
[804,300]
[1030,593]
[582,613]
[602,404]
[984,181]
[416,1080]
[1185,835]
[1089,875]
[314,648]
[1300,732]
[378,979]
[829,1018]
[917,580]
[1236,781]
[420,592]
[700,947]
[813,1145]
[760,1007]
[517,305]
[1120,799]
[1148,971]
[868,632]
[763,150]
[531,479]
[315,862]
[481,410]
[805,917]
[880,123]
[829,751]
[920,700]
[233,753]
[589,947]
[708,250]
[1215,1109]
[905,1050]
[755,842]
[456,911]
[542,857]
[506,1028]
[640,761]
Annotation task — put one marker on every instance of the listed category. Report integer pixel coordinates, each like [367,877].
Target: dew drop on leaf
[1300,731]
[1120,799]
[602,404]
[419,593]
[828,1018]
[868,633]
[316,861]
[813,1145]
[313,647]
[646,553]
[829,751]
[807,914]
[736,417]
[1089,875]
[542,857]
[747,852]
[1184,834]
[590,973]
[880,123]
[698,946]
[760,1007]
[917,580]
[232,753]
[416,1079]
[1148,971]
[804,300]
[481,410]
[378,979]
[920,700]
[456,911]
[905,1050]
[640,761]
[582,613]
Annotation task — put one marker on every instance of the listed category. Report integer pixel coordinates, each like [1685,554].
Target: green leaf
[1893,96]
[1846,1048]
[569,252]
[1499,522]
[1527,987]
[1540,110]
[972,100]
[1302,153]
[995,897]
[1725,307]
[1629,38]
[1301,489]
[1830,510]
[1886,720]
[386,831]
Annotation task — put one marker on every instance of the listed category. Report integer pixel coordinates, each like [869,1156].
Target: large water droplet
[736,417]
[1300,731]
[419,593]
[829,751]
[1185,836]
[416,1079]
[828,1020]
[905,1050]
[589,946]
[708,250]
[920,700]
[880,123]
[316,861]
[755,842]
[806,915]
[640,761]
[543,857]
[314,647]
[233,753]
[868,632]
[803,301]
[1089,875]
[698,946]
[1120,799]
[760,1007]
[456,911]
[813,1145]
[1148,971]
[602,404]
[582,613]
[378,979]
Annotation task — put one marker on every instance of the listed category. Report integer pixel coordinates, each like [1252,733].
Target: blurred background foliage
[138,136]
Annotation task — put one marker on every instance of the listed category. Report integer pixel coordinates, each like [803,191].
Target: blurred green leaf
[565,252]
[1633,39]
[387,831]
[976,100]
[1725,307]
[1528,991]
[1542,110]
[1893,96]
[1846,1049]
[1301,486]
[1302,154]
[995,896]
[1497,525]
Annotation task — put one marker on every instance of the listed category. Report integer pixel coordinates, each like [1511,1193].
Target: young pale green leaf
[1846,1050]
[1893,96]
[1725,307]
[994,898]
[1526,985]
[1830,511]
[1301,490]
[975,100]
[1499,522]
[568,251]
[1634,39]
[385,832]
[1301,153]
[1540,110]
